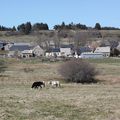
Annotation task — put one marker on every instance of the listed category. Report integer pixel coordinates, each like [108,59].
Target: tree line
[27,27]
[70,26]
[3,28]
[82,27]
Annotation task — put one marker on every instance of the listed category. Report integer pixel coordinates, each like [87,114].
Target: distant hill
[58,37]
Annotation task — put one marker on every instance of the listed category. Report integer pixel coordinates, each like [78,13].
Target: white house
[66,50]
[53,52]
[104,50]
[27,53]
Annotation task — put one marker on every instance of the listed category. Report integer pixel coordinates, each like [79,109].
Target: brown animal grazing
[38,84]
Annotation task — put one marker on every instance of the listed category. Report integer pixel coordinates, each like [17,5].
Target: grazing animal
[38,84]
[54,83]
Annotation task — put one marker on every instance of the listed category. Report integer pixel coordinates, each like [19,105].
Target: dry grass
[21,71]
[19,38]
[109,70]
[33,37]
[70,102]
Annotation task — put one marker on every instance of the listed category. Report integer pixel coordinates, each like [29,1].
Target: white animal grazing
[54,83]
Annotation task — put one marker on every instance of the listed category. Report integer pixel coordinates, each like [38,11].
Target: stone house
[26,51]
[104,50]
[67,50]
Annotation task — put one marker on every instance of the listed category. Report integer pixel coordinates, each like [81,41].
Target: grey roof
[20,47]
[22,44]
[1,45]
[67,46]
[83,49]
[54,50]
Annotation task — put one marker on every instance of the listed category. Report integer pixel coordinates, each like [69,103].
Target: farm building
[66,50]
[25,51]
[92,55]
[53,52]
[104,50]
[83,49]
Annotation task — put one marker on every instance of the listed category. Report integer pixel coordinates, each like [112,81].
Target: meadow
[100,101]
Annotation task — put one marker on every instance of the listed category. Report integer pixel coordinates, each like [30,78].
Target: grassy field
[18,101]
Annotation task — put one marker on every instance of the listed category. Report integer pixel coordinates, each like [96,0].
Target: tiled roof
[54,50]
[67,46]
[20,47]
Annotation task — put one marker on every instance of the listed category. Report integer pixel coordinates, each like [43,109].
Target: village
[28,50]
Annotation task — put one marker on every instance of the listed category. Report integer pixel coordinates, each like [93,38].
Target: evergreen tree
[40,26]
[28,28]
[21,28]
[98,26]
[14,28]
[25,28]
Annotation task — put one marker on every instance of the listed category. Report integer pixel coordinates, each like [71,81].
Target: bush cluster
[78,70]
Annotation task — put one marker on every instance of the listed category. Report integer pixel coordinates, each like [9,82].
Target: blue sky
[52,12]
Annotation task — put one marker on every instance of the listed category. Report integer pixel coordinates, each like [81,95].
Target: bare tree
[80,38]
[43,41]
[56,39]
[71,37]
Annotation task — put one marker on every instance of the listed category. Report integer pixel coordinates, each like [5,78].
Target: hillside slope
[79,37]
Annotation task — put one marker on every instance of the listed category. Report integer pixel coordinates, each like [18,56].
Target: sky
[53,12]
